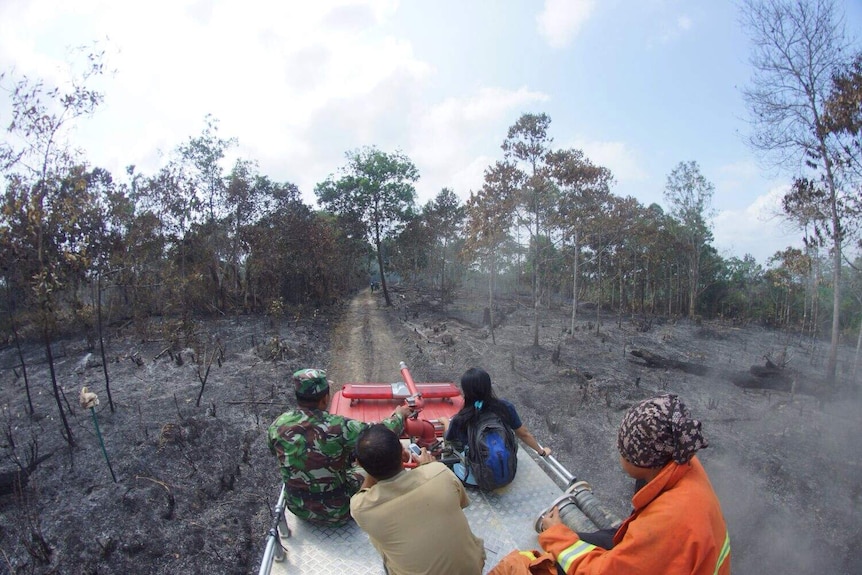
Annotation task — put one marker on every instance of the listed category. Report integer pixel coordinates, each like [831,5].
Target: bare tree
[797,46]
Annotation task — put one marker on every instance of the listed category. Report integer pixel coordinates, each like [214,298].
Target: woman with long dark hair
[478,397]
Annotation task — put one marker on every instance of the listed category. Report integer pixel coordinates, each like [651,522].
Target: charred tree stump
[768,376]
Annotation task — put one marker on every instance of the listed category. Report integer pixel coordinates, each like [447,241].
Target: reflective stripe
[725,551]
[568,556]
[529,555]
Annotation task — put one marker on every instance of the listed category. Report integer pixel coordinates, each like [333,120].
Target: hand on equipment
[551,519]
[403,410]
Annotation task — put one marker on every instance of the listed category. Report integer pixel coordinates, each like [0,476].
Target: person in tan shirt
[413,517]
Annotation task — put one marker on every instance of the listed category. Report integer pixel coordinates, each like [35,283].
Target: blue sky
[639,85]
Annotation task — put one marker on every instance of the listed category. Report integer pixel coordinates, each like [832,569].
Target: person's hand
[424,457]
[546,451]
[403,410]
[552,518]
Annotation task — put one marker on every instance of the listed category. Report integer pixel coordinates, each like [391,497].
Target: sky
[638,85]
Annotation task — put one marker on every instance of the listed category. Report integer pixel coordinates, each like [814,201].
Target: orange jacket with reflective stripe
[676,528]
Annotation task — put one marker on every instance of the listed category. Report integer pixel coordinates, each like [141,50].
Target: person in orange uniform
[677,526]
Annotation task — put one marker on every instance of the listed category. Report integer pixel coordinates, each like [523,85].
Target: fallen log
[656,361]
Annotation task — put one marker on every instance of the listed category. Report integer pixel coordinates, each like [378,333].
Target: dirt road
[363,346]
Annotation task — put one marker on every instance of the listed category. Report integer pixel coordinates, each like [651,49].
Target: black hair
[476,386]
[378,451]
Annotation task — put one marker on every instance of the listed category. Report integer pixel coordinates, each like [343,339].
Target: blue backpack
[492,451]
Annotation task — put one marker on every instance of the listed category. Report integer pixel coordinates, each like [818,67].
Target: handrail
[557,468]
[273,544]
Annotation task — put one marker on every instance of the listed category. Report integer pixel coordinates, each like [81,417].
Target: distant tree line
[81,248]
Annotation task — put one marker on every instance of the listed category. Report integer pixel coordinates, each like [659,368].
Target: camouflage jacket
[316,449]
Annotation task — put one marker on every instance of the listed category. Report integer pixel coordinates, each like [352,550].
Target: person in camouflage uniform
[316,448]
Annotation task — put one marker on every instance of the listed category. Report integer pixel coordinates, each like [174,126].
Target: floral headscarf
[657,430]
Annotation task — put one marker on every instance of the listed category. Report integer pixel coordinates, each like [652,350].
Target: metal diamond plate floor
[503,519]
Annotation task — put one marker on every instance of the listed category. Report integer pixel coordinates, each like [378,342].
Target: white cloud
[561,20]
[271,72]
[758,229]
[456,139]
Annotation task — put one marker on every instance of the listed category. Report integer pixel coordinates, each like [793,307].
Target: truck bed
[504,519]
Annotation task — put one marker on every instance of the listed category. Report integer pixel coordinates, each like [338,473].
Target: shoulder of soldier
[292,417]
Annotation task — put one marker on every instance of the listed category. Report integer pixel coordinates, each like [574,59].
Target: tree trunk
[669,290]
[443,276]
[837,239]
[856,358]
[382,275]
[17,338]
[692,290]
[620,308]
[536,284]
[599,295]
[832,365]
[56,388]
[102,339]
[491,296]
[575,283]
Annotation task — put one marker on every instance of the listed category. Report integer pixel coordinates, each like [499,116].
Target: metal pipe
[557,469]
[274,550]
[415,400]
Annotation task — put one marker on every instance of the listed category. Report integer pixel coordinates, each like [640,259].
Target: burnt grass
[195,483]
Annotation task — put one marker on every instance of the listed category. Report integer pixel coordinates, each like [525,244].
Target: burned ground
[195,483]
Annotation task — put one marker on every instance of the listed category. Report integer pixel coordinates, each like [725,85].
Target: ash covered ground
[195,483]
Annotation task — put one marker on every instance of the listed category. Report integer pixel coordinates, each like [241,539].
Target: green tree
[744,277]
[527,145]
[489,215]
[445,217]
[46,200]
[205,153]
[583,189]
[377,189]
[413,249]
[689,194]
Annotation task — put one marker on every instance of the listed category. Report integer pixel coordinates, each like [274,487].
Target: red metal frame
[376,401]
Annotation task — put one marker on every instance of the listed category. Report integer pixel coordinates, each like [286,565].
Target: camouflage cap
[310,382]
